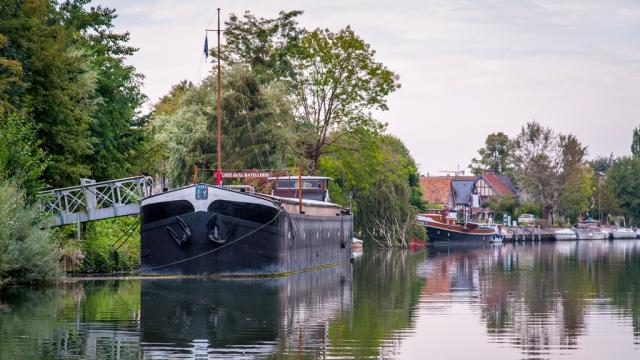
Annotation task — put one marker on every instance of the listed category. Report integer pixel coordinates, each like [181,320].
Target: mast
[218,110]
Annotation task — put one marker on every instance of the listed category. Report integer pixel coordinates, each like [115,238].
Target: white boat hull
[562,235]
[590,234]
[624,234]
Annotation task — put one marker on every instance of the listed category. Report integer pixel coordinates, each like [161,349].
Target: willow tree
[256,132]
[337,83]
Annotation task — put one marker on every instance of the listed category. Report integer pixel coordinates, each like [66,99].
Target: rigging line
[128,231]
[253,140]
[131,231]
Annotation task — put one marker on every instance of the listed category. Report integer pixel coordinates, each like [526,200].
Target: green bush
[110,245]
[27,252]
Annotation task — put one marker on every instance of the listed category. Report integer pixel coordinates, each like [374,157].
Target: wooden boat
[442,225]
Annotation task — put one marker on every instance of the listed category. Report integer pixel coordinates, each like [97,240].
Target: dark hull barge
[441,226]
[208,230]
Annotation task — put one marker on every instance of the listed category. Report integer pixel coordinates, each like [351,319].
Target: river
[565,300]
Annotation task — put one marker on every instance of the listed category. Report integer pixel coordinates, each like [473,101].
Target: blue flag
[206,47]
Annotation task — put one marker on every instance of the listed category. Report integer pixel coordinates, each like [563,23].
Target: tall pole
[218,110]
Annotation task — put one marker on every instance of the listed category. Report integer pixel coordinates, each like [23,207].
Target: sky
[467,67]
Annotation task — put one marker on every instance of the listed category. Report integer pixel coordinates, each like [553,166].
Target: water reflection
[553,300]
[541,299]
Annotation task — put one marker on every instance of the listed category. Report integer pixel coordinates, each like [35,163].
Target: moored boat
[623,233]
[205,230]
[442,226]
[590,230]
[565,234]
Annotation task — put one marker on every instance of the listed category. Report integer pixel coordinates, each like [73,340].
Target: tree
[266,45]
[119,131]
[383,178]
[536,166]
[624,183]
[337,82]
[493,156]
[27,253]
[59,84]
[256,131]
[635,143]
[601,164]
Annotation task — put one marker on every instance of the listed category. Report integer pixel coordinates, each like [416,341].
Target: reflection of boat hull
[229,233]
[238,317]
[457,234]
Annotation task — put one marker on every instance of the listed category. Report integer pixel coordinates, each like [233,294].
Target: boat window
[293,184]
[164,210]
[247,211]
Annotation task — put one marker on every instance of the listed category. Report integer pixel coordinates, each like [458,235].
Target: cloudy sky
[467,67]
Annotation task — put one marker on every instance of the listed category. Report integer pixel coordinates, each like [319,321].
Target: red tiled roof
[501,184]
[436,189]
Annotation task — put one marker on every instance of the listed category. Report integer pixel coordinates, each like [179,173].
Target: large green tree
[71,84]
[493,156]
[624,183]
[257,125]
[380,173]
[338,82]
[265,45]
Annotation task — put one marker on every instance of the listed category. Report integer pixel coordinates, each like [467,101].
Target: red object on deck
[417,244]
[219,177]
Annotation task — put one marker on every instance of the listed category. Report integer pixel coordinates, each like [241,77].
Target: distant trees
[553,173]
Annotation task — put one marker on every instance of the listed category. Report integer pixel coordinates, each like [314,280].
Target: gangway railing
[95,200]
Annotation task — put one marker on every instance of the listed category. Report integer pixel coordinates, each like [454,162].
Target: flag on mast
[206,46]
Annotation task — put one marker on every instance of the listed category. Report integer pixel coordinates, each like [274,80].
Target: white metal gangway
[95,200]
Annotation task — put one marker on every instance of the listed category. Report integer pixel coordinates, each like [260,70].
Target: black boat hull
[289,243]
[437,234]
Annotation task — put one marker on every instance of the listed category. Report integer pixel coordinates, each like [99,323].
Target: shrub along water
[27,252]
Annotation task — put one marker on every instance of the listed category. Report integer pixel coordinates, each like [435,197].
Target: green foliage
[265,45]
[257,124]
[27,253]
[63,72]
[106,246]
[493,156]
[338,82]
[635,143]
[21,159]
[551,169]
[624,183]
[382,176]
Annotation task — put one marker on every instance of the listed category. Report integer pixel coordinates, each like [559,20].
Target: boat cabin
[313,187]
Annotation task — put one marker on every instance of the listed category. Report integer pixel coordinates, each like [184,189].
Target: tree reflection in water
[536,300]
[535,297]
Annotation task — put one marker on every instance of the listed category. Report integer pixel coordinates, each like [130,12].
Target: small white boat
[624,233]
[565,234]
[590,230]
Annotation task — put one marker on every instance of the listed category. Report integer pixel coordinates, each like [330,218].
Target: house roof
[501,184]
[436,189]
[462,191]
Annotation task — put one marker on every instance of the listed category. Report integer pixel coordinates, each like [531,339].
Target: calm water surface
[565,300]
